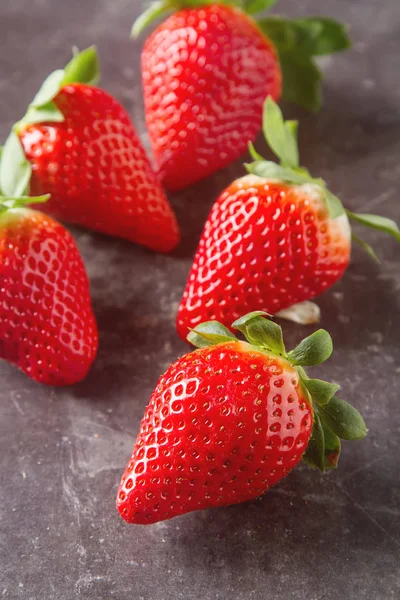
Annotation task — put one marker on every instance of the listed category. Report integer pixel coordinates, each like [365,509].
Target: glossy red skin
[206,73]
[94,166]
[223,425]
[47,327]
[265,246]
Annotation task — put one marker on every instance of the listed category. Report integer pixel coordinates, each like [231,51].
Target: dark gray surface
[313,537]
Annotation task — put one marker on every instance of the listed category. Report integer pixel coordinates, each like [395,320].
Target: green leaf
[343,419]
[335,206]
[321,391]
[241,323]
[48,113]
[271,170]
[301,77]
[281,31]
[83,68]
[155,10]
[367,247]
[301,81]
[313,350]
[15,169]
[281,136]
[49,88]
[318,36]
[308,37]
[254,154]
[292,127]
[255,6]
[209,333]
[265,333]
[7,202]
[297,42]
[376,222]
[314,456]
[332,447]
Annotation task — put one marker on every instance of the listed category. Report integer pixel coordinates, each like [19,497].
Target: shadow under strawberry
[132,300]
[271,532]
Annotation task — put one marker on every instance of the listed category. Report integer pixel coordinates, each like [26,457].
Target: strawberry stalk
[297,41]
[334,419]
[281,137]
[15,170]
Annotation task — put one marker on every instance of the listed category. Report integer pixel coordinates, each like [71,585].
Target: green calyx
[19,199]
[281,136]
[373,222]
[82,68]
[334,419]
[15,169]
[297,42]
[7,203]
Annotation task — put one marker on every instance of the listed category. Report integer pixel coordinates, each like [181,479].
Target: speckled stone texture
[313,537]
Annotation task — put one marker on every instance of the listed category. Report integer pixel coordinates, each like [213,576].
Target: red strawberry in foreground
[274,238]
[228,421]
[83,150]
[47,327]
[207,70]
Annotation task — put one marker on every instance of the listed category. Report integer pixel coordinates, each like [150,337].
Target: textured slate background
[313,537]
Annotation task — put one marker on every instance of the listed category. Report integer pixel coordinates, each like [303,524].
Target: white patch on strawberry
[313,193]
[249,180]
[344,226]
[315,196]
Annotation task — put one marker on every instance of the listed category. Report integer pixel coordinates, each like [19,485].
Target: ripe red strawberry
[84,151]
[228,421]
[207,70]
[47,327]
[274,238]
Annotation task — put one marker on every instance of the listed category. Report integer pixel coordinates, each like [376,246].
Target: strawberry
[275,238]
[207,70]
[83,150]
[47,327]
[231,419]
